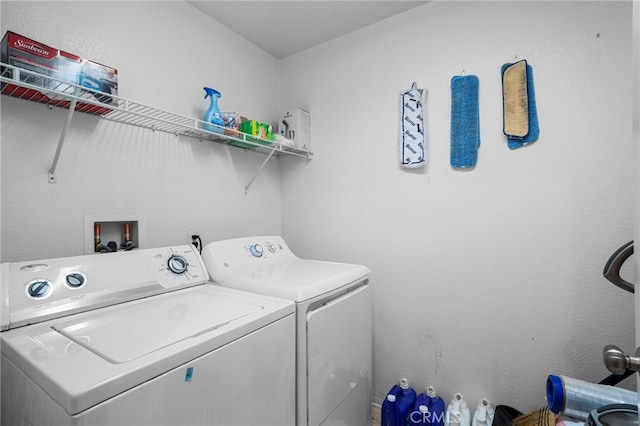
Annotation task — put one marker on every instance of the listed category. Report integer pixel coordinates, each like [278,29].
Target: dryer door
[339,355]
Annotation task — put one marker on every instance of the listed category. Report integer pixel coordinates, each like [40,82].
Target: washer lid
[297,280]
[148,325]
[77,378]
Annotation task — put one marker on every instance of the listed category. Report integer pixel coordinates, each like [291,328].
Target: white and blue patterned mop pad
[411,133]
[465,121]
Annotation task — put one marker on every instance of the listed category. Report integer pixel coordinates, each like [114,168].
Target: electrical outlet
[190,234]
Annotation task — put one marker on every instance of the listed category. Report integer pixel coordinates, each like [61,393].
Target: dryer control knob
[177,264]
[256,250]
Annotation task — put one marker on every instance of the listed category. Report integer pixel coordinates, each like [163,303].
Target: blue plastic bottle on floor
[437,408]
[389,411]
[213,113]
[405,400]
[420,413]
[419,416]
[422,399]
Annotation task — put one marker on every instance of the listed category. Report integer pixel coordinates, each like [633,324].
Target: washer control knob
[75,280]
[177,264]
[256,250]
[271,247]
[39,289]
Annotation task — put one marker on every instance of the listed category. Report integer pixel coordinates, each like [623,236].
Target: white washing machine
[334,312]
[141,338]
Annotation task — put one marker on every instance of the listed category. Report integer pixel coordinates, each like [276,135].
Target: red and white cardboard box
[59,67]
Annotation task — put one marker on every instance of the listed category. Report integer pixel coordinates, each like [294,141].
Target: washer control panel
[45,289]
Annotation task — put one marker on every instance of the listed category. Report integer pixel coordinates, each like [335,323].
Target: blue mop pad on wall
[465,121]
[412,130]
[520,115]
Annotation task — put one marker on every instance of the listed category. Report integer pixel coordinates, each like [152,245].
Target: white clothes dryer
[333,325]
[141,338]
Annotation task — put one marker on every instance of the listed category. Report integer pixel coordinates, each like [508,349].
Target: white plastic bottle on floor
[457,412]
[483,415]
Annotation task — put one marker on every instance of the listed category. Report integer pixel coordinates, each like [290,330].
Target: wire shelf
[25,84]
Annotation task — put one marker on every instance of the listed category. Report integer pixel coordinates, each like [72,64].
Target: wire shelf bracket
[63,136]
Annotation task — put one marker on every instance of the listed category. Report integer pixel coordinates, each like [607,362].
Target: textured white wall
[165,52]
[486,281]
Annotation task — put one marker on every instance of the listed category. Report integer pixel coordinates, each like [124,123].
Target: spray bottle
[213,114]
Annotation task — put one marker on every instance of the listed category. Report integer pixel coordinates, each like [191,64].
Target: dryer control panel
[40,290]
[266,248]
[239,254]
